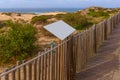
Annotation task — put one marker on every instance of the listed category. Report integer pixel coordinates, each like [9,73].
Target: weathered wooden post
[13,74]
[18,71]
[24,71]
[95,40]
[6,76]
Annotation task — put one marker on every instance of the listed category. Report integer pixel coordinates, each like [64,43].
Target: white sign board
[60,29]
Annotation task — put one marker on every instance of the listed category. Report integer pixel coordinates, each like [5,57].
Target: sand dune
[26,17]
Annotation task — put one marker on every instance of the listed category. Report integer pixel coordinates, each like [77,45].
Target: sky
[58,3]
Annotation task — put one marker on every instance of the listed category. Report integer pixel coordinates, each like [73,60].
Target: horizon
[54,7]
[59,3]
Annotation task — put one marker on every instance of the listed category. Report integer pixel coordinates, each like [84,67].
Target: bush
[58,16]
[2,24]
[17,42]
[98,13]
[41,19]
[7,13]
[76,20]
[18,14]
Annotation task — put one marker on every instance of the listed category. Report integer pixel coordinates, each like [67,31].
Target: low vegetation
[76,20]
[17,42]
[10,14]
[98,13]
[7,13]
[41,19]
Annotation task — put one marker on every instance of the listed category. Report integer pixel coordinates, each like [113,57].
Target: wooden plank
[48,66]
[95,40]
[0,77]
[13,74]
[7,75]
[30,71]
[24,71]
[75,52]
[72,71]
[18,71]
[61,60]
[78,53]
[51,77]
[53,64]
[42,62]
[63,52]
[48,63]
[65,61]
[58,63]
[43,68]
[55,61]
[45,65]
[35,69]
[68,62]
[39,66]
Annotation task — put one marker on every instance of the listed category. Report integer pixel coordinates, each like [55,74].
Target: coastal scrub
[17,42]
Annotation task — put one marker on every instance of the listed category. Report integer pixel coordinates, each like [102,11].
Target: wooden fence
[67,58]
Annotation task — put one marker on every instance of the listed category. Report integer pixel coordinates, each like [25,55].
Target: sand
[26,16]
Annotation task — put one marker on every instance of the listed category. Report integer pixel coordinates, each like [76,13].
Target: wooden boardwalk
[105,65]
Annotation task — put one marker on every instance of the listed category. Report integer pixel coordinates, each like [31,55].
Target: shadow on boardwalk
[105,65]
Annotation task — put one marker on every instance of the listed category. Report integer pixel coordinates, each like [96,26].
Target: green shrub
[17,42]
[7,13]
[58,16]
[2,24]
[76,20]
[18,14]
[41,19]
[98,13]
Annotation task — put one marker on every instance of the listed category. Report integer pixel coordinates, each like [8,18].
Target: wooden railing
[67,58]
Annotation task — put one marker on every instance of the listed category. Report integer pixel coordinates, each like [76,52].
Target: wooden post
[18,71]
[48,65]
[39,66]
[45,65]
[58,62]
[61,61]
[105,30]
[72,65]
[13,74]
[6,76]
[24,70]
[30,71]
[55,63]
[35,69]
[51,69]
[95,40]
[0,77]
[42,62]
